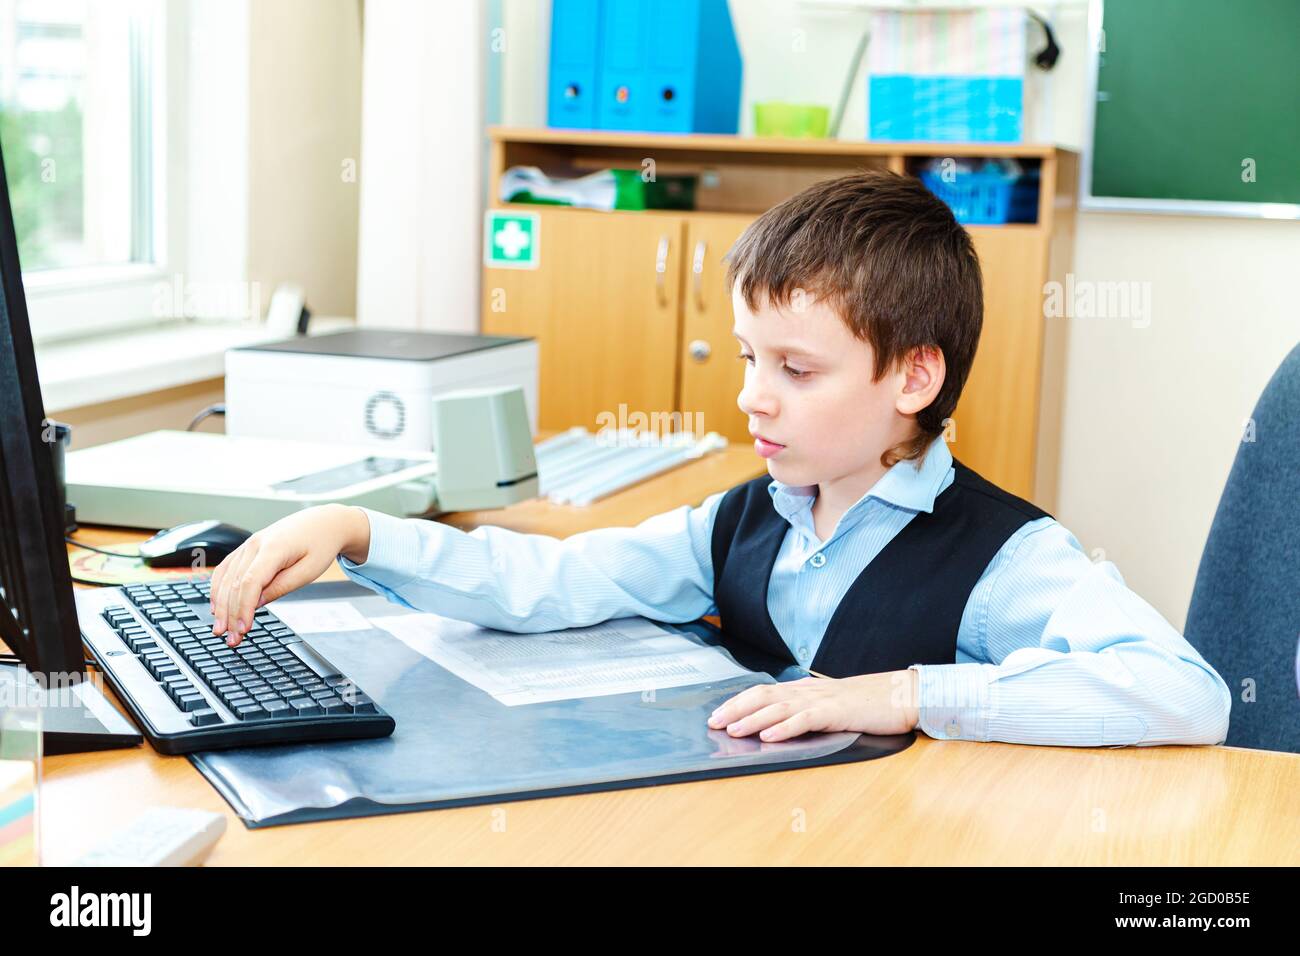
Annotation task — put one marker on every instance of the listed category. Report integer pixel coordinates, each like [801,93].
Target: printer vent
[385,415]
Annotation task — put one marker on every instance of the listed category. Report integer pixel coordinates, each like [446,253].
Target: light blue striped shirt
[1052,647]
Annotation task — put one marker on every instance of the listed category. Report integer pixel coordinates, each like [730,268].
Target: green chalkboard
[1197,101]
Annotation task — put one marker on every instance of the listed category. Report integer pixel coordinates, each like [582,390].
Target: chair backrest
[1244,616]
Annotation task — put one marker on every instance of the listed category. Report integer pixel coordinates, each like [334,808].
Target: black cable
[1046,58]
[111,554]
[217,409]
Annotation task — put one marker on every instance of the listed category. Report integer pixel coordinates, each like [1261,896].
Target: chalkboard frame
[1185,207]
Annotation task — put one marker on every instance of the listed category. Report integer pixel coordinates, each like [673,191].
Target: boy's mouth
[765,448]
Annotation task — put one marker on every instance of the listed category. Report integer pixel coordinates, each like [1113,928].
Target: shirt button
[817,560]
[803,652]
[953,729]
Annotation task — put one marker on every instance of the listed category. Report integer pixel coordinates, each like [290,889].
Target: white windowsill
[110,366]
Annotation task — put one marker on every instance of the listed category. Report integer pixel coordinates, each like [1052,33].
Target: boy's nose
[753,400]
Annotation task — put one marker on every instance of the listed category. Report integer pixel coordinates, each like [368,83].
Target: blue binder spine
[719,70]
[574,68]
[665,66]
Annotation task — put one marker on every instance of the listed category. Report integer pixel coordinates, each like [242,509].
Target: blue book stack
[661,66]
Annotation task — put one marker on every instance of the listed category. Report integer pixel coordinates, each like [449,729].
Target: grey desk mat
[456,745]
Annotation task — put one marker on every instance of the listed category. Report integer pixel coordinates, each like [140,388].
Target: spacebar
[323,668]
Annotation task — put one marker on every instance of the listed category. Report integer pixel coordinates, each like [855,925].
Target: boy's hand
[870,704]
[281,558]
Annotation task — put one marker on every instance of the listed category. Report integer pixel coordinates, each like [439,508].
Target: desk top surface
[938,802]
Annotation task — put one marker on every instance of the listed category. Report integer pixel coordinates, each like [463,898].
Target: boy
[919,593]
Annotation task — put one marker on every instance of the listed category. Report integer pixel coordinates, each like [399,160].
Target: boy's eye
[789,370]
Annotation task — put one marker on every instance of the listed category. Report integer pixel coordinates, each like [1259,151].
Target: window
[80,109]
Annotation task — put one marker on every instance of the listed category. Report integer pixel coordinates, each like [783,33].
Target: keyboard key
[305,707]
[277,708]
[249,711]
[188,702]
[205,717]
[361,704]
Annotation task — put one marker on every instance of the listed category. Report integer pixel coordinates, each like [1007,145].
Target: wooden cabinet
[711,373]
[604,307]
[632,314]
[997,417]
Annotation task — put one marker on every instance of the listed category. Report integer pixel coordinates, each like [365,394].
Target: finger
[214,582]
[798,723]
[746,702]
[220,587]
[231,594]
[264,568]
[246,589]
[762,718]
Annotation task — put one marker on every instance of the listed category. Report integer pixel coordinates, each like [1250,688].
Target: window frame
[86,300]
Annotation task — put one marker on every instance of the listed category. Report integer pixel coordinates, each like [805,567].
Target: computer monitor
[38,616]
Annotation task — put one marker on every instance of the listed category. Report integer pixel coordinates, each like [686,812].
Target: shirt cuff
[955,700]
[395,548]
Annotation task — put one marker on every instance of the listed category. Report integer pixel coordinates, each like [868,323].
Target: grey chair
[1244,616]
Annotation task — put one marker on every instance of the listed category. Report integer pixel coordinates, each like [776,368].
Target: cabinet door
[712,375]
[997,418]
[603,306]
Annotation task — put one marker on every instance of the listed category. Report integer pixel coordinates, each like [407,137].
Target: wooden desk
[939,802]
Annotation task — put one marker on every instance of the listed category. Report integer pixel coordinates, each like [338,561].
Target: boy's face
[809,393]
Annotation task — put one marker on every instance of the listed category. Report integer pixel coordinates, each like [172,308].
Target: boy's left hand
[869,703]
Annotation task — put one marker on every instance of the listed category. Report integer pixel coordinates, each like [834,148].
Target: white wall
[421,165]
[1152,416]
[304,147]
[272,110]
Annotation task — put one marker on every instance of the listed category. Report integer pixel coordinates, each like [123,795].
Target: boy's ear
[923,372]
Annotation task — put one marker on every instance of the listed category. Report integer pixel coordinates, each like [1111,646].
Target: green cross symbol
[512,239]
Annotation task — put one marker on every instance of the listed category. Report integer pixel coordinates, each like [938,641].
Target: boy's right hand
[281,558]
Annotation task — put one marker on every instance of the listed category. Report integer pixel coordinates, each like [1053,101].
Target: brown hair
[889,257]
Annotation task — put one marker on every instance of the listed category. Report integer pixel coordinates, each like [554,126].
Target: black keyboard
[273,688]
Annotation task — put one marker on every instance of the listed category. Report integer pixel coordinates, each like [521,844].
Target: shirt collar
[904,485]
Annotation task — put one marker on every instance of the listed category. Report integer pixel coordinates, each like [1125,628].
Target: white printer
[368,386]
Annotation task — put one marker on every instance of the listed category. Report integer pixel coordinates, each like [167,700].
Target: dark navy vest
[906,605]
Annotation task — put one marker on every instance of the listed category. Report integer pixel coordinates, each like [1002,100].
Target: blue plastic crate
[986,197]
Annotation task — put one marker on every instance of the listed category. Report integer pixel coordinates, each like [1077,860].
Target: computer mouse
[195,543]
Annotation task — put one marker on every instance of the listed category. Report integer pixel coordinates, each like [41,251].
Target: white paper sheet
[629,655]
[319,617]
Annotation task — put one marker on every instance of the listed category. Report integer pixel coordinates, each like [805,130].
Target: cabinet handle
[697,270]
[700,350]
[661,271]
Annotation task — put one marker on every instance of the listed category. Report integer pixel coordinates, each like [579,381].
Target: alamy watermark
[635,429]
[191,299]
[1088,299]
